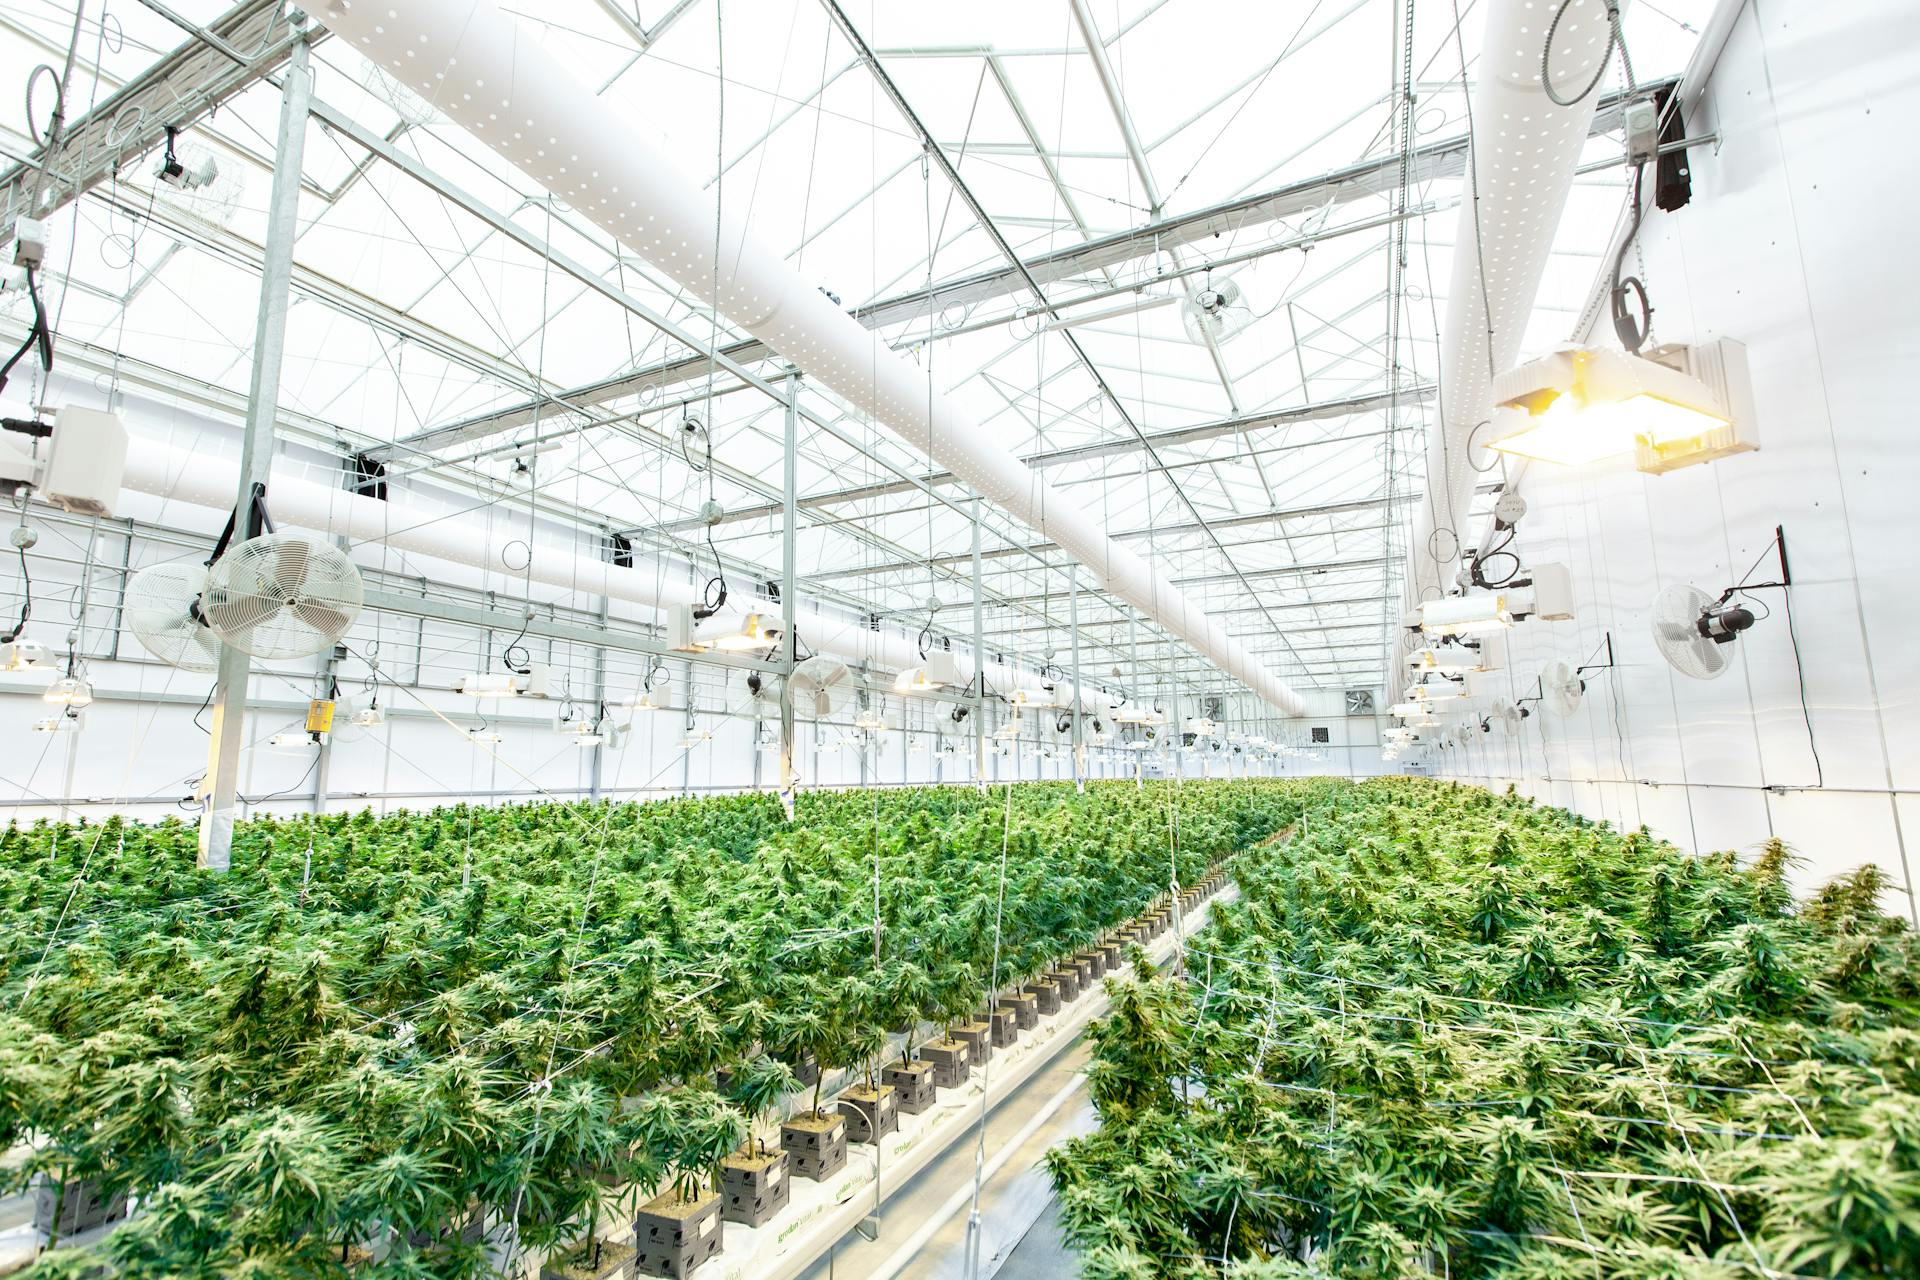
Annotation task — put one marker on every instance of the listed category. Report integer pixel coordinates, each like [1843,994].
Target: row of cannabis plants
[1443,1032]
[377,1031]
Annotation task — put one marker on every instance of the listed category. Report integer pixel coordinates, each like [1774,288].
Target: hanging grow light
[1450,660]
[369,717]
[531,683]
[934,671]
[1041,697]
[1436,689]
[1466,615]
[696,738]
[728,631]
[869,721]
[1543,592]
[653,690]
[23,655]
[69,691]
[482,737]
[68,721]
[1674,407]
[293,743]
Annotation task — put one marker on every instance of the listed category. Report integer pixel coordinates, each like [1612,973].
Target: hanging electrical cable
[1629,293]
[1615,40]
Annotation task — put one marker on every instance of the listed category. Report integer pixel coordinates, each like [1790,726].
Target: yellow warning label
[319,716]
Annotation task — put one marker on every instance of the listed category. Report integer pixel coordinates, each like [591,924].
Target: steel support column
[979,663]
[220,787]
[1079,715]
[1133,688]
[789,578]
[596,764]
[323,763]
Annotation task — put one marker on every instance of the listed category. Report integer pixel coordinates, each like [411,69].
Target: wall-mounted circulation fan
[274,595]
[1561,687]
[163,608]
[282,595]
[1695,631]
[1216,312]
[821,685]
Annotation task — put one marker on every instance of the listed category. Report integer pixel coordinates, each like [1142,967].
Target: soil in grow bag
[914,1084]
[977,1035]
[870,1115]
[674,1236]
[951,1061]
[754,1187]
[616,1262]
[817,1142]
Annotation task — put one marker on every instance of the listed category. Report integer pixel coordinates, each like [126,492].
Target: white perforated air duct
[181,475]
[476,66]
[1525,149]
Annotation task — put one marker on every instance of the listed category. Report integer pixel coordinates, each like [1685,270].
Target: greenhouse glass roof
[1239,152]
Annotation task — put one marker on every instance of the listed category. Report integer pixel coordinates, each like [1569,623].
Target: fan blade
[290,565]
[328,619]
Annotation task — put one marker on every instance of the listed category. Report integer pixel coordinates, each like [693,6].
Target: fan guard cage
[1676,633]
[282,596]
[1560,688]
[825,681]
[1216,312]
[159,607]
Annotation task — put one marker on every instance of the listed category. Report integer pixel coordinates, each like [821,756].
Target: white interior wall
[1796,243]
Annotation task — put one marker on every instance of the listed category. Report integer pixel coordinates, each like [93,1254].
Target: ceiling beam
[1345,406]
[1444,159]
[1122,619]
[344,125]
[1163,531]
[180,89]
[1231,576]
[1376,176]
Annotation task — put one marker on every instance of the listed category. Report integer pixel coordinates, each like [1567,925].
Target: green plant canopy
[1445,1033]
[373,1024]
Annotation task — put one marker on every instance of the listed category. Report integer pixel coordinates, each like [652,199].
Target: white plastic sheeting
[474,64]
